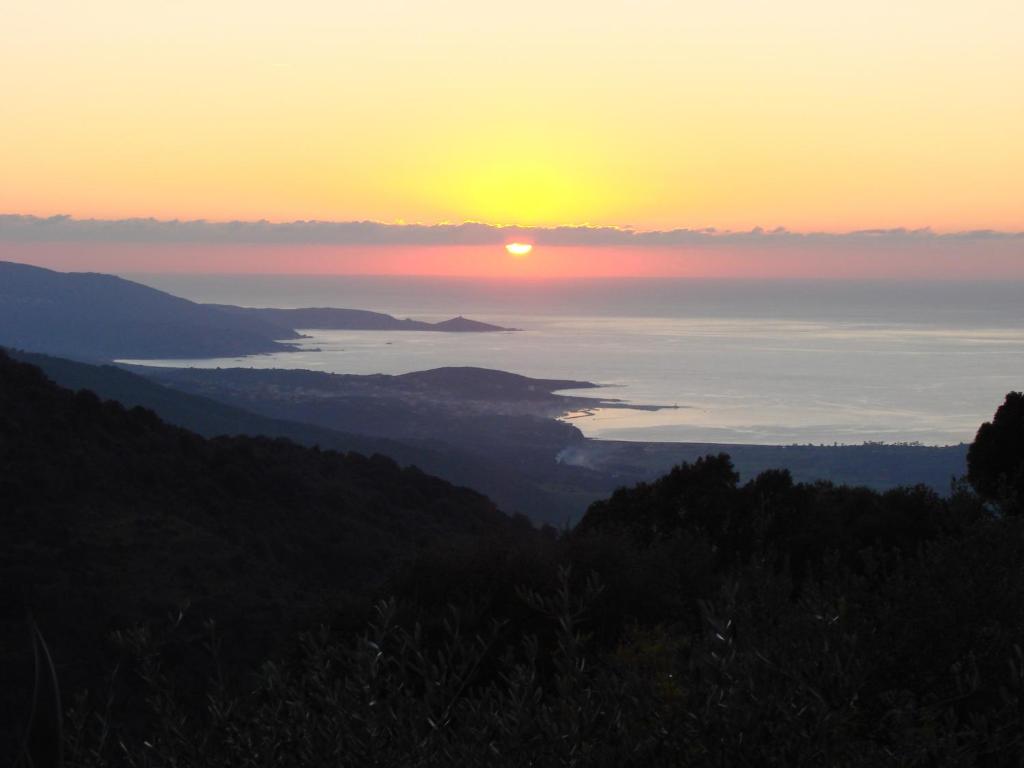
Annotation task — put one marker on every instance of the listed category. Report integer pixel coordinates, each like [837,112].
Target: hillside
[90,316]
[523,463]
[96,317]
[111,516]
[202,415]
[825,625]
[504,428]
[514,479]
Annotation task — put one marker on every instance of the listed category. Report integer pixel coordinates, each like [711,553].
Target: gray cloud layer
[26,229]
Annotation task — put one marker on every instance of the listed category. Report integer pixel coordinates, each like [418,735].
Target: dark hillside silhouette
[825,624]
[109,516]
[515,478]
[204,416]
[691,620]
[535,465]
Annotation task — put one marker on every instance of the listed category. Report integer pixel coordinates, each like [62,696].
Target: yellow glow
[654,114]
[519,249]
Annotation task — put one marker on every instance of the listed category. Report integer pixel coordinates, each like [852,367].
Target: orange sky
[650,114]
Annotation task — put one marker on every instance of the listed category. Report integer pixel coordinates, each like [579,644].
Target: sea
[776,362]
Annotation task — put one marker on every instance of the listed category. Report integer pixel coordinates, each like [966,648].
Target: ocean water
[745,362]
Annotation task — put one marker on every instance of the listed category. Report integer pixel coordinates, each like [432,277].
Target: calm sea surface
[747,362]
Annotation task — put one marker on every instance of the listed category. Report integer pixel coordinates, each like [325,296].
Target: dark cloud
[24,229]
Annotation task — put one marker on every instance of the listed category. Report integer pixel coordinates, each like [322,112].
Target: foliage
[689,621]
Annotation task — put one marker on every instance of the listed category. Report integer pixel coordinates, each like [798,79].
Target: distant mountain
[88,316]
[327,318]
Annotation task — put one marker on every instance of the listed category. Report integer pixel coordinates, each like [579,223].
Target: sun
[519,249]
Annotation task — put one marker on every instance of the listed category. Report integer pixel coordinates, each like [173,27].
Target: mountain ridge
[97,317]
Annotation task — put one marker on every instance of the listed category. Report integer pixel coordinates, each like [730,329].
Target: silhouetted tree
[995,461]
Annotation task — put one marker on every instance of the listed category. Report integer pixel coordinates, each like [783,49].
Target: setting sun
[519,249]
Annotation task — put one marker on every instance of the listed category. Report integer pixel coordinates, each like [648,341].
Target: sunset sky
[813,116]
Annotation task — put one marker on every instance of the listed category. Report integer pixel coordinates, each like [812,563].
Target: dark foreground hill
[693,620]
[109,516]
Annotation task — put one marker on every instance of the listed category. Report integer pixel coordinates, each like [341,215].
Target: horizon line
[26,228]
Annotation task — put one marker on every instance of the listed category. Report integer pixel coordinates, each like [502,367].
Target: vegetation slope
[693,620]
